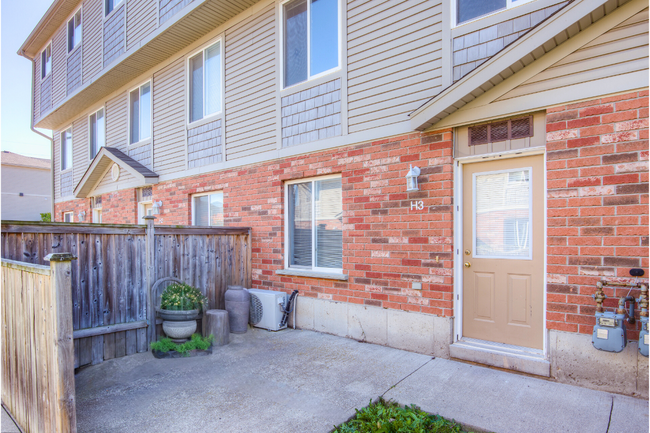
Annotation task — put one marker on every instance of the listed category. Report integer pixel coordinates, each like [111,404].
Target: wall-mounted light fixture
[155,209]
[412,179]
[82,215]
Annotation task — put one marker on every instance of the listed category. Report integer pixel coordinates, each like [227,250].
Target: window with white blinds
[315,224]
[502,214]
[207,209]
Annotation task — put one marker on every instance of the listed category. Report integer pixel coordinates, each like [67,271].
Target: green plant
[390,417]
[197,342]
[46,217]
[181,296]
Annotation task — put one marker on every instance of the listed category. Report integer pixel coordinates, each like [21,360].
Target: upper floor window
[66,149]
[467,10]
[97,132]
[205,82]
[140,113]
[74,31]
[110,5]
[46,61]
[207,209]
[314,218]
[311,38]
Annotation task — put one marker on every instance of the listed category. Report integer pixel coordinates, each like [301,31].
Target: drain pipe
[51,139]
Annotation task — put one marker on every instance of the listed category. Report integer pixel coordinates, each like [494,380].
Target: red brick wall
[597,170]
[74,206]
[119,207]
[386,245]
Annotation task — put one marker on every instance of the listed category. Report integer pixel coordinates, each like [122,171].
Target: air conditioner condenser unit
[267,307]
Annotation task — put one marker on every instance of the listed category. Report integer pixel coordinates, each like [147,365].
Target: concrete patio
[302,381]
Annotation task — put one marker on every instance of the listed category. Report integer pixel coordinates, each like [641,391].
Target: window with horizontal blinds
[315,224]
[502,214]
[207,209]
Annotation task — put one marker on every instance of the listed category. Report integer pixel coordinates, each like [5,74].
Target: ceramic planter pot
[178,315]
[178,330]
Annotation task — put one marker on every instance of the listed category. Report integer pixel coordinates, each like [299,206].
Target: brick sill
[312,274]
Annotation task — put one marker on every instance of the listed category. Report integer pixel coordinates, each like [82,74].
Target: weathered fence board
[37,349]
[111,280]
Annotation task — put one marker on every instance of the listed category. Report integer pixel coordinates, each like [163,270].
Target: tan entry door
[503,235]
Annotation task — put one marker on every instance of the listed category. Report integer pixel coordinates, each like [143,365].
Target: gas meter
[609,333]
[643,337]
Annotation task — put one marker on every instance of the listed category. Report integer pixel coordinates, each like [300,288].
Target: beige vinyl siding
[250,85]
[37,88]
[141,20]
[117,122]
[169,118]
[56,156]
[92,38]
[621,50]
[59,65]
[394,60]
[74,71]
[80,151]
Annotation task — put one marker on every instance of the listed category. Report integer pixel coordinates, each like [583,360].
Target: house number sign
[417,205]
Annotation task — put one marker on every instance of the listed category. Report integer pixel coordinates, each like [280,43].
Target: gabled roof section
[546,36]
[105,158]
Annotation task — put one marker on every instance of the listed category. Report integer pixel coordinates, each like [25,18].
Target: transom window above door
[310,39]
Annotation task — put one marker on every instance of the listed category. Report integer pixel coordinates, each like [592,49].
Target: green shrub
[46,217]
[389,417]
[181,296]
[196,342]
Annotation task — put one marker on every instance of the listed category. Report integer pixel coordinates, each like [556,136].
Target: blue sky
[18,18]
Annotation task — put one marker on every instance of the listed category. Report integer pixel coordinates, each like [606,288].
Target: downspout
[31,126]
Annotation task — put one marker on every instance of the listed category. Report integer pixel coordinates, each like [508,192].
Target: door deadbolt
[468,252]
[468,264]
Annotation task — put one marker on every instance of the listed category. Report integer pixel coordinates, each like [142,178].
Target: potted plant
[180,305]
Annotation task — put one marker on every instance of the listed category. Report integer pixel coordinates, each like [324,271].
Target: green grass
[196,342]
[390,417]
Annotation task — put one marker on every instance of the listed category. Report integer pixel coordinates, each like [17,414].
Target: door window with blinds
[314,219]
[502,214]
[207,209]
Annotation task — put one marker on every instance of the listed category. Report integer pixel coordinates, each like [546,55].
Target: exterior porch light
[412,179]
[82,215]
[155,209]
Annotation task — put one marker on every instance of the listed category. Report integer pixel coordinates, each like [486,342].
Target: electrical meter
[643,337]
[609,333]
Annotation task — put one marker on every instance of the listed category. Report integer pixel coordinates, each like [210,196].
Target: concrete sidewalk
[302,381]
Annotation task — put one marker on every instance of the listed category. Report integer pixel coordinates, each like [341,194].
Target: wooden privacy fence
[118,264]
[37,348]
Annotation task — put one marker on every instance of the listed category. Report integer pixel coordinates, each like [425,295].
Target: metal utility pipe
[621,308]
[599,296]
[643,301]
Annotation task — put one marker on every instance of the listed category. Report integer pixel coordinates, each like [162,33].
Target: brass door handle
[468,264]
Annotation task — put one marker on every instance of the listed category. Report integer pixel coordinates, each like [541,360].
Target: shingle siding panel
[168,8]
[114,35]
[74,71]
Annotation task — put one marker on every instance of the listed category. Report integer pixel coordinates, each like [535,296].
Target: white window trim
[61,149]
[510,4]
[90,144]
[69,52]
[71,216]
[340,43]
[188,90]
[313,268]
[115,7]
[97,212]
[530,207]
[201,195]
[128,114]
[49,45]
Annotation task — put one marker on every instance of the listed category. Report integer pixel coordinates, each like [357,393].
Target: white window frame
[313,268]
[188,83]
[81,32]
[338,35]
[44,51]
[90,128]
[115,6]
[142,206]
[509,5]
[71,149]
[128,112]
[203,194]
[71,216]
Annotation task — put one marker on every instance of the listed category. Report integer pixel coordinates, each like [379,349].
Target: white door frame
[458,232]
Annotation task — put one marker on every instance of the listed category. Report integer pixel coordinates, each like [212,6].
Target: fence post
[61,274]
[151,312]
